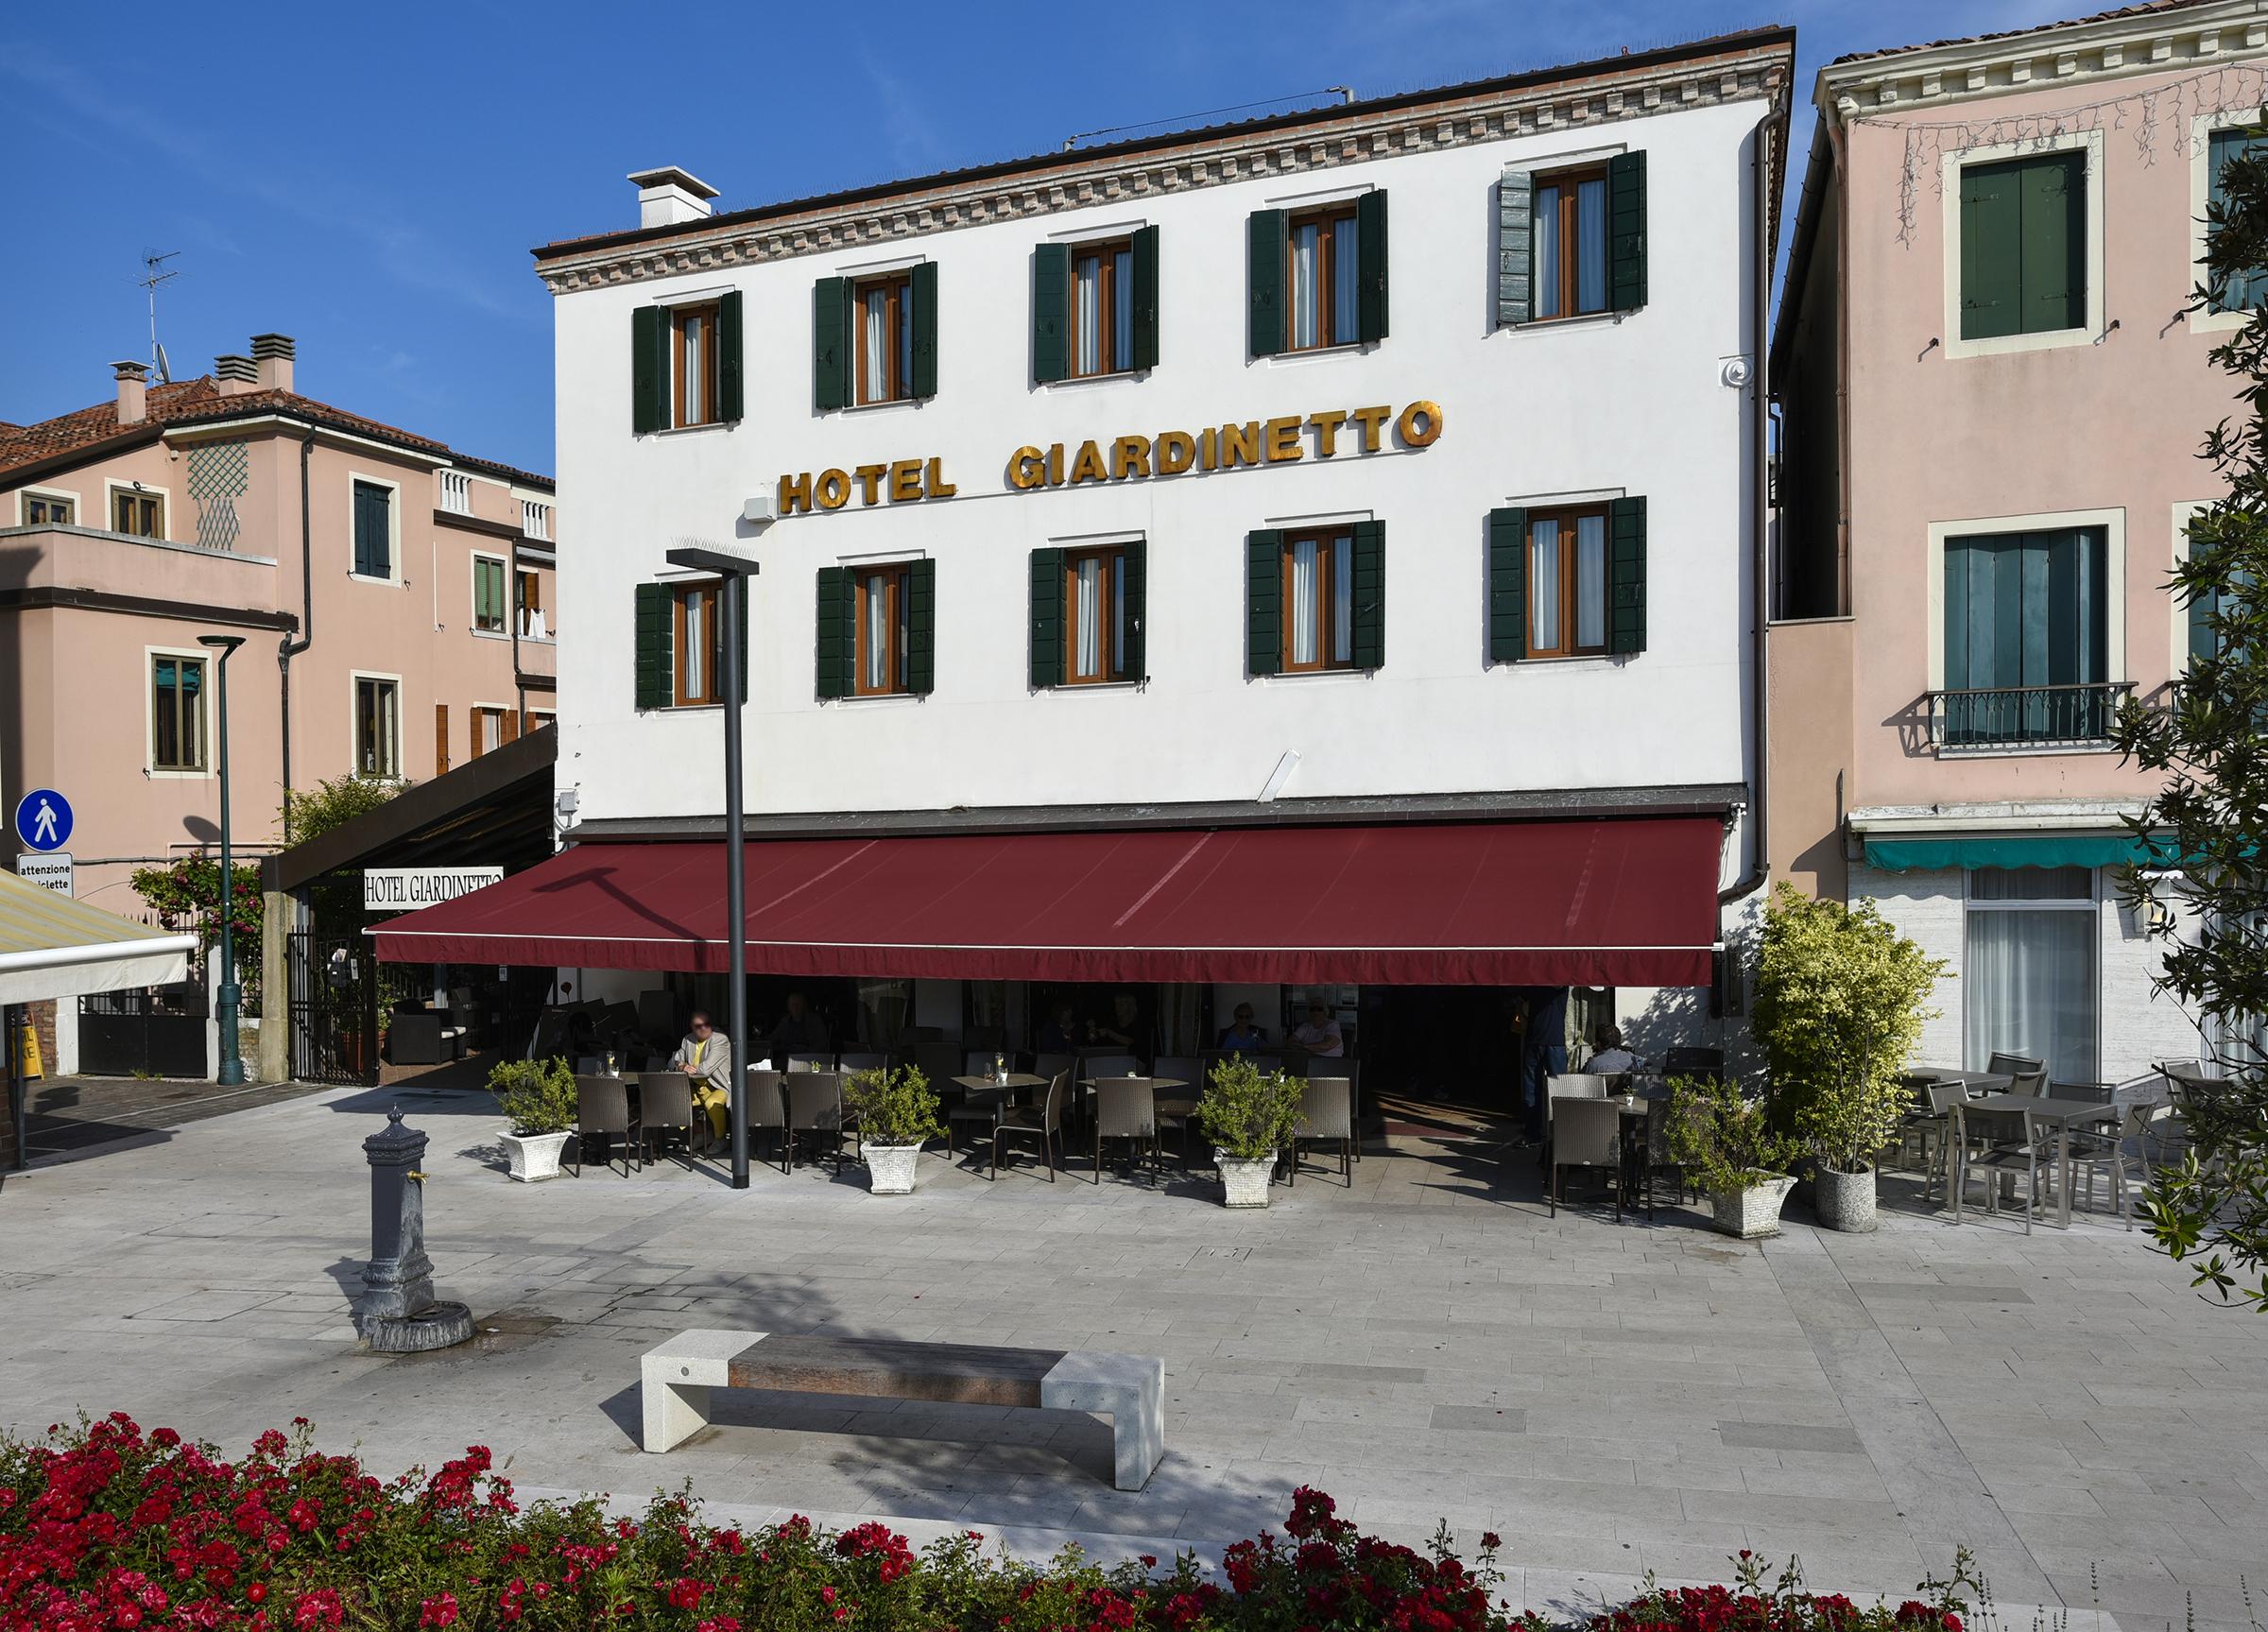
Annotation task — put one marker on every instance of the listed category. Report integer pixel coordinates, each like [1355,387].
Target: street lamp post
[232,995]
[735,570]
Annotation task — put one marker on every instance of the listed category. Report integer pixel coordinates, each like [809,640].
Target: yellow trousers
[711,1099]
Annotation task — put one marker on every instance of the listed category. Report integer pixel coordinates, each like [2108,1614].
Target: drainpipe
[1760,415]
[296,643]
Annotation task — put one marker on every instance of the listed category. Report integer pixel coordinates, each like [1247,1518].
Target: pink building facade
[1993,395]
[397,601]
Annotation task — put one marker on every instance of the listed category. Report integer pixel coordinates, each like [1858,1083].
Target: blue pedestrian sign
[43,820]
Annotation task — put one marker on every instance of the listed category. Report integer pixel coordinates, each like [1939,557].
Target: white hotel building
[1317,554]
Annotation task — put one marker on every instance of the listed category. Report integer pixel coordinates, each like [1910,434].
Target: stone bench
[675,1378]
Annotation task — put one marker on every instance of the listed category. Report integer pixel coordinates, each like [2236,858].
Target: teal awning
[2016,850]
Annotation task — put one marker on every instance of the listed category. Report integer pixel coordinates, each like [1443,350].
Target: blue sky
[370,181]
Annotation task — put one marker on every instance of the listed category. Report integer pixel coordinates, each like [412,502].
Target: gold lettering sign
[1133,457]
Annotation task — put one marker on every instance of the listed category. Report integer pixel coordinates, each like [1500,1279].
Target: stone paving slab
[1428,1346]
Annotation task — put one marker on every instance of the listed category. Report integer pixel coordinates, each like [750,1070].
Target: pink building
[1993,398]
[396,598]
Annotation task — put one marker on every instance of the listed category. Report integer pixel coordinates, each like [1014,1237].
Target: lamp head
[223,644]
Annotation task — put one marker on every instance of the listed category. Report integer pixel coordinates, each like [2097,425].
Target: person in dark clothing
[1242,1034]
[800,1030]
[1061,1035]
[1545,1056]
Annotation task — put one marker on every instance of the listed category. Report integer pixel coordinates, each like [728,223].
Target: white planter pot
[890,1168]
[1753,1212]
[535,1155]
[1246,1180]
[1844,1200]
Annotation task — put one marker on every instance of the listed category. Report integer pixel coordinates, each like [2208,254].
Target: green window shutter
[1507,586]
[1264,241]
[728,358]
[1145,298]
[1515,247]
[1626,576]
[924,289]
[831,343]
[921,626]
[1263,602]
[1369,594]
[649,371]
[2054,243]
[837,644]
[1626,231]
[1051,312]
[1371,266]
[1134,603]
[657,634]
[1047,619]
[1991,250]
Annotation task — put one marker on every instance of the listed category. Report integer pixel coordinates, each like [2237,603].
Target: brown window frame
[150,509]
[898,385]
[1328,543]
[1567,275]
[1111,656]
[387,760]
[528,596]
[894,580]
[40,510]
[1105,253]
[1569,605]
[713,689]
[481,713]
[188,720]
[1327,277]
[704,412]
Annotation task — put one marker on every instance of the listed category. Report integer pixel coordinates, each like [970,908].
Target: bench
[675,1378]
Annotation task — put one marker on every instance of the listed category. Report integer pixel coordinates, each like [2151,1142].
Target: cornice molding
[2071,53]
[1077,181]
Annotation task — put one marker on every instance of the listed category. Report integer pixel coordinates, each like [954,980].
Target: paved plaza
[1427,1345]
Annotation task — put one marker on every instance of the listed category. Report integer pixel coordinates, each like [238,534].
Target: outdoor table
[2061,1114]
[1976,1084]
[1633,1107]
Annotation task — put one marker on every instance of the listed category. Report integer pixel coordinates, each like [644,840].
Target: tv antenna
[154,272]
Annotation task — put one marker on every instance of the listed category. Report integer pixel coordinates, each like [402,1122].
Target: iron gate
[149,1031]
[333,1008]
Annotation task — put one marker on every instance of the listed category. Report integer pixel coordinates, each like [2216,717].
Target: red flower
[439,1610]
[685,1592]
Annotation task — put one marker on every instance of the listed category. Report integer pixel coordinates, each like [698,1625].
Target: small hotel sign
[407,888]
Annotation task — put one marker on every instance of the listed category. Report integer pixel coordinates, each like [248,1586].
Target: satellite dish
[164,367]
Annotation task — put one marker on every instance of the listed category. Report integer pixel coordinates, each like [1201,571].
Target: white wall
[1636,406]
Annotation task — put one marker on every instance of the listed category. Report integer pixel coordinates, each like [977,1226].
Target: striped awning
[51,946]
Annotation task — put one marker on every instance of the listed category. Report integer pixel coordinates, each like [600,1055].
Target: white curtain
[1117,614]
[696,390]
[878,343]
[1089,616]
[1590,581]
[1591,246]
[696,642]
[1122,311]
[878,633]
[2028,987]
[1544,286]
[1345,262]
[1543,585]
[1342,599]
[1304,602]
[1307,249]
[1091,315]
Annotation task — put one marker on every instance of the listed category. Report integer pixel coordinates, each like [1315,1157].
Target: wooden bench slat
[955,1373]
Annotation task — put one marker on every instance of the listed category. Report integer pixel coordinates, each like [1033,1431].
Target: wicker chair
[665,1105]
[1046,1126]
[1586,1133]
[808,1061]
[1326,1113]
[603,1108]
[1124,1107]
[814,1107]
[1575,1085]
[849,1064]
[765,1107]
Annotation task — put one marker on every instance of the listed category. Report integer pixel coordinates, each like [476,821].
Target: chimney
[232,374]
[669,196]
[133,392]
[272,356]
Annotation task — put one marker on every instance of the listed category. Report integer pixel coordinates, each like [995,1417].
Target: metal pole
[19,1098]
[232,995]
[736,996]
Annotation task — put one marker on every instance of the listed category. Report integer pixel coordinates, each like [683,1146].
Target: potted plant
[1839,1008]
[897,1113]
[1725,1141]
[539,1095]
[1247,1117]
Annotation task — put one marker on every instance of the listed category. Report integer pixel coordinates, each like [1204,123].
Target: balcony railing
[2026,717]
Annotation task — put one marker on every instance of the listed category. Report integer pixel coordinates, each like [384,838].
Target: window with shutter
[1368,612]
[1514,239]
[1507,585]
[1102,309]
[1263,602]
[728,357]
[1332,598]
[1324,296]
[1050,307]
[1264,238]
[895,339]
[920,626]
[656,662]
[831,343]
[1626,208]
[1134,610]
[373,531]
[649,364]
[1567,599]
[837,635]
[1626,577]
[698,639]
[1145,298]
[488,594]
[1569,264]
[1047,619]
[1370,268]
[2237,291]
[2023,246]
[922,381]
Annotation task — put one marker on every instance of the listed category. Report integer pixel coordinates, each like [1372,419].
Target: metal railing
[2025,717]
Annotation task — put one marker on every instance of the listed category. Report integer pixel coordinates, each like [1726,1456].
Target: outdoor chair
[1586,1133]
[1943,1098]
[1572,1086]
[1326,1113]
[1045,1124]
[849,1064]
[2026,1075]
[665,1105]
[814,1107]
[1704,1063]
[1097,1065]
[2103,1150]
[1662,1157]
[1181,1067]
[603,1110]
[1999,1156]
[764,1104]
[588,1065]
[1124,1107]
[809,1061]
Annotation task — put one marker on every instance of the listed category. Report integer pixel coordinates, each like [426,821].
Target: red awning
[1613,902]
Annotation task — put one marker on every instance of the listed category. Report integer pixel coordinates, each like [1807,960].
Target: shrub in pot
[1247,1116]
[1725,1141]
[539,1095]
[897,1113]
[1840,998]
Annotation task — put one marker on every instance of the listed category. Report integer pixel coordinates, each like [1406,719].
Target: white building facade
[1389,463]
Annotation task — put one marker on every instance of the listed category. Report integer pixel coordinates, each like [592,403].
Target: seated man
[1240,1034]
[706,1058]
[1611,1057]
[1061,1035]
[799,1031]
[1319,1035]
